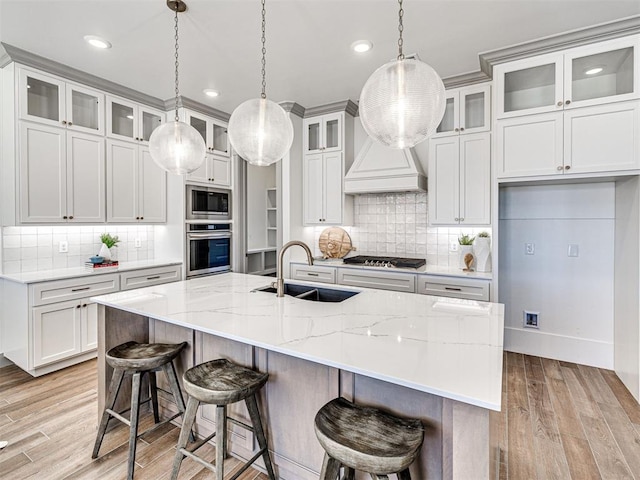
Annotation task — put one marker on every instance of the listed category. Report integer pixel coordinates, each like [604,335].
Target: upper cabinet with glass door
[467,111]
[51,100]
[583,76]
[214,132]
[127,120]
[323,133]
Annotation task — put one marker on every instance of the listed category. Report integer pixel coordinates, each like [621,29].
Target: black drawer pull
[312,274]
[454,289]
[153,278]
[80,289]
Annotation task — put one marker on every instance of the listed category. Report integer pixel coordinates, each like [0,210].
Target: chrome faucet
[280,278]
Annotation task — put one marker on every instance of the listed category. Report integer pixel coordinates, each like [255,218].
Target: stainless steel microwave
[205,203]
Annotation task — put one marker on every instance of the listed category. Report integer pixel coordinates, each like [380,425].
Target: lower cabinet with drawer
[396,281]
[313,273]
[50,325]
[466,288]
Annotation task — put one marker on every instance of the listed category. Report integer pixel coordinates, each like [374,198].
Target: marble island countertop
[443,346]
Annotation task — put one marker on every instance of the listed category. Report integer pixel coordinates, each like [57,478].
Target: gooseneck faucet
[285,247]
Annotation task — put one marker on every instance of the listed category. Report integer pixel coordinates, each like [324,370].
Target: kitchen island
[437,359]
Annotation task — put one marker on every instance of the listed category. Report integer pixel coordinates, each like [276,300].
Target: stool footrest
[248,464]
[201,442]
[117,415]
[241,424]
[196,458]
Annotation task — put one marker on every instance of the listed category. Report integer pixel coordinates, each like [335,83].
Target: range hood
[379,169]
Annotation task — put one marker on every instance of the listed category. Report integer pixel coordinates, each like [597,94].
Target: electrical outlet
[453,246]
[63,247]
[531,319]
[572,250]
[529,248]
[138,243]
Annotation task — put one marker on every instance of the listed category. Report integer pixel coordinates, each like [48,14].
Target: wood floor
[559,420]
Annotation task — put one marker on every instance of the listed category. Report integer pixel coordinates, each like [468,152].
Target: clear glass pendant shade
[402,103]
[260,131]
[177,147]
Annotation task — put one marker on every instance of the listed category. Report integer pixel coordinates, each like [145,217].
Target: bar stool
[366,439]
[138,359]
[220,382]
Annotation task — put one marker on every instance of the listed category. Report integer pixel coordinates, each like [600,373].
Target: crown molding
[553,43]
[294,108]
[41,63]
[344,106]
[465,79]
[185,102]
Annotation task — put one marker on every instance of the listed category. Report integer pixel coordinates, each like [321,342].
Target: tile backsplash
[28,249]
[396,224]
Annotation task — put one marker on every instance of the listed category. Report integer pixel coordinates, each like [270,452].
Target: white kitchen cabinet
[323,133]
[324,197]
[313,273]
[50,100]
[61,175]
[460,180]
[127,120]
[213,131]
[600,73]
[468,110]
[396,281]
[602,138]
[149,277]
[215,171]
[465,288]
[136,186]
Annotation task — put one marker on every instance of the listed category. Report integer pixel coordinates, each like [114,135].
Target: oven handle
[208,235]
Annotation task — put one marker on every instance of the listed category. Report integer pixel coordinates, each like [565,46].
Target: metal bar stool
[366,439]
[138,359]
[220,382]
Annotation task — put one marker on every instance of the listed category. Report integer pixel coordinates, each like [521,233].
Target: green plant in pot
[466,239]
[108,241]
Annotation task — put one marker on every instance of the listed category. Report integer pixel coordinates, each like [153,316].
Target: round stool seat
[368,439]
[221,382]
[143,356]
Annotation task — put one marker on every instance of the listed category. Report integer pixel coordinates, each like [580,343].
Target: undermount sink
[311,293]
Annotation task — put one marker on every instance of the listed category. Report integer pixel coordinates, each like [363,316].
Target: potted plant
[482,252]
[466,247]
[108,242]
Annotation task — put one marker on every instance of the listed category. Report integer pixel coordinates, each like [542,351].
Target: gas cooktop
[389,262]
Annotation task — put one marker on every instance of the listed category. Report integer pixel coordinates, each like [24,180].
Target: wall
[573,295]
[28,249]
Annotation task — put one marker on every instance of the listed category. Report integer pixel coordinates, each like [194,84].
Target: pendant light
[176,146]
[260,131]
[403,101]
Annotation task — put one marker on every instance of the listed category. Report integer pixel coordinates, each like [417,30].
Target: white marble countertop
[62,273]
[444,346]
[424,270]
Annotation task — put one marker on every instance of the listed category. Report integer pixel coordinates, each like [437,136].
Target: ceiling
[309,59]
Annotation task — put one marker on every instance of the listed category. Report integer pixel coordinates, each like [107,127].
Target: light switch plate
[573,250]
[63,247]
[529,248]
[138,243]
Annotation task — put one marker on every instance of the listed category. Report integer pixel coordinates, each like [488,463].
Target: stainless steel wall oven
[208,248]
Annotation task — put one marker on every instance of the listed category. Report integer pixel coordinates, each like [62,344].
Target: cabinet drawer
[399,282]
[313,273]
[457,288]
[149,277]
[74,288]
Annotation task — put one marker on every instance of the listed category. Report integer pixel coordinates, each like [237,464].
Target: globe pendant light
[260,131]
[176,146]
[403,101]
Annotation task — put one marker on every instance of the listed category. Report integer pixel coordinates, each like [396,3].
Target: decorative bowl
[96,259]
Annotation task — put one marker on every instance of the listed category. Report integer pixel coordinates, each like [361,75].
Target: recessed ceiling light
[211,93]
[593,71]
[361,46]
[97,42]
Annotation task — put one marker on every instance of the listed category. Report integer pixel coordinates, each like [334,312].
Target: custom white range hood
[379,169]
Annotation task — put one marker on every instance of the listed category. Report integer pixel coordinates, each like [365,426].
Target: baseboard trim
[4,362]
[559,347]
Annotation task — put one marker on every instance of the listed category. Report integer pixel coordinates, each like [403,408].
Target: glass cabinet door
[313,135]
[220,140]
[85,109]
[149,121]
[121,119]
[450,118]
[601,73]
[200,124]
[332,133]
[475,110]
[41,98]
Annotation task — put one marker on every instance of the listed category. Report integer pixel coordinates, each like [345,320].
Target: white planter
[464,249]
[482,252]
[105,252]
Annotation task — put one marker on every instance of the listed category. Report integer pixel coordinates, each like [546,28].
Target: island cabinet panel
[211,347]
[296,390]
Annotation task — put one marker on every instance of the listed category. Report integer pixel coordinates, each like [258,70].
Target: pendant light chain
[177,63]
[264,52]
[400,30]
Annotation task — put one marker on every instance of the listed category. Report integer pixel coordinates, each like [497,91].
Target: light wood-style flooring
[559,420]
